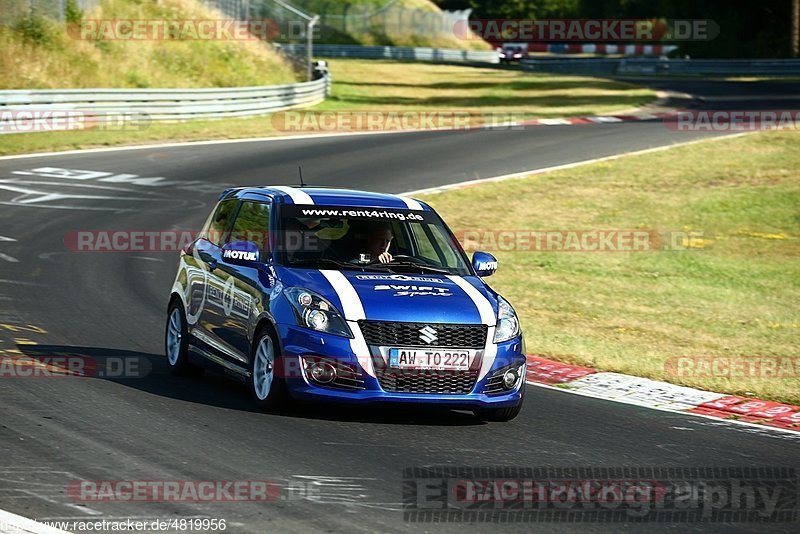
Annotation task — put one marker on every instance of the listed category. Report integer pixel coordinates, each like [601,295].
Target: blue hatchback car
[344,296]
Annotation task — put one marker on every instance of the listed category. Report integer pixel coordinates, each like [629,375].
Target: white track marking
[6,257]
[289,138]
[157,146]
[603,120]
[555,122]
[523,174]
[297,196]
[16,524]
[83,509]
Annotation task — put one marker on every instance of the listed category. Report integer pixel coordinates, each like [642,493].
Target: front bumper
[298,342]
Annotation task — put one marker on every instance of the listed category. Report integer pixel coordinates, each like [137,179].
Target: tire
[176,342]
[501,415]
[266,384]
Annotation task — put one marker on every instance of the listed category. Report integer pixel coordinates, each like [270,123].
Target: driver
[379,240]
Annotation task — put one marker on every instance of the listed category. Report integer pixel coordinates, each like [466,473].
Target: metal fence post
[310,44]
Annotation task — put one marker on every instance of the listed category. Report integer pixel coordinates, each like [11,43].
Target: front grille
[494,384]
[424,381]
[394,334]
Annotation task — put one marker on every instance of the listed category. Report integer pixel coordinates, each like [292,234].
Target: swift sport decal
[414,291]
[353,311]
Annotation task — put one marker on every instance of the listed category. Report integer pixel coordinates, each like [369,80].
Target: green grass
[736,294]
[393,86]
[383,86]
[41,54]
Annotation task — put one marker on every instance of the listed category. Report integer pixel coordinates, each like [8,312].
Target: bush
[74,13]
[33,29]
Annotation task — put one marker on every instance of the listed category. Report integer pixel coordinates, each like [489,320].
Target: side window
[252,224]
[433,245]
[220,222]
[424,245]
[444,246]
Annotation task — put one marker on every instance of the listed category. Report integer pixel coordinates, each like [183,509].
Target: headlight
[507,322]
[313,311]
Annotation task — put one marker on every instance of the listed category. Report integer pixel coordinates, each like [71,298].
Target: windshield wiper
[413,265]
[329,261]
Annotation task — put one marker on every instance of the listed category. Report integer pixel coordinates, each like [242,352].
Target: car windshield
[378,239]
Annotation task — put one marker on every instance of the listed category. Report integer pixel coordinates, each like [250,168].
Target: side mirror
[484,264]
[244,253]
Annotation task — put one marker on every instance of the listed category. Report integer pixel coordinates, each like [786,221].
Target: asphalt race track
[110,305]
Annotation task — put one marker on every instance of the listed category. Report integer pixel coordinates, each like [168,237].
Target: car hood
[428,298]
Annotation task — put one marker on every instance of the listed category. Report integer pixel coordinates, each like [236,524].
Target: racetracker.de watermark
[588,240]
[507,240]
[176,524]
[20,365]
[586,30]
[660,495]
[50,120]
[189,29]
[732,120]
[762,367]
[173,490]
[377,121]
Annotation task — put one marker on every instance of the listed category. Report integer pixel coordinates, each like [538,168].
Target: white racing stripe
[482,303]
[489,354]
[297,196]
[411,203]
[487,317]
[353,311]
[351,303]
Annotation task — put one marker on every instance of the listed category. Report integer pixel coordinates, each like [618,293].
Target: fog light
[510,378]
[322,372]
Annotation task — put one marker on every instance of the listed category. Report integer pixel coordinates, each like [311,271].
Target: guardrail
[682,67]
[434,55]
[170,104]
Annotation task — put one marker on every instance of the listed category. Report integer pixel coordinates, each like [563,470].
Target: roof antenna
[300,170]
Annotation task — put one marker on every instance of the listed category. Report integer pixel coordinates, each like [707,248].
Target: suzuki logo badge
[428,334]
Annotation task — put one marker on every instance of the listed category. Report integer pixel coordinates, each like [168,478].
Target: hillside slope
[40,54]
[384,22]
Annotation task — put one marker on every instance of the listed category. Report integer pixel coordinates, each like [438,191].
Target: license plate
[440,359]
